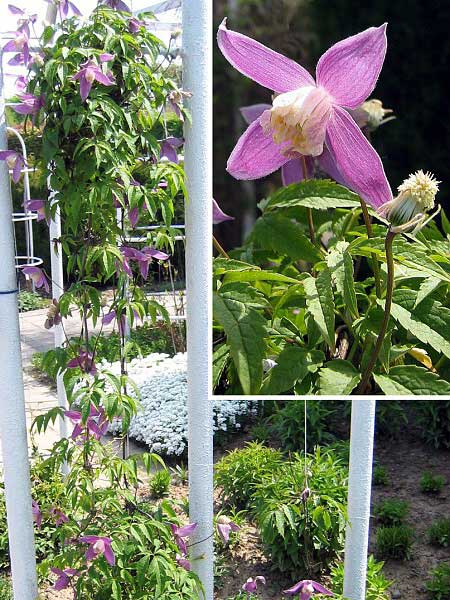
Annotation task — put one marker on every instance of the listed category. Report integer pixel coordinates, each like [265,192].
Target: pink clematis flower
[21,84]
[97,422]
[15,161]
[30,105]
[37,275]
[39,207]
[37,515]
[182,561]
[99,545]
[88,73]
[65,6]
[143,258]
[64,578]
[218,215]
[309,117]
[251,585]
[83,361]
[20,45]
[169,149]
[224,527]
[180,533]
[118,5]
[58,516]
[306,589]
[134,25]
[15,10]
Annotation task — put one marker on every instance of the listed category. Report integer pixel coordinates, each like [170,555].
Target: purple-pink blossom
[96,424]
[37,515]
[21,84]
[38,276]
[19,44]
[37,206]
[29,104]
[224,527]
[251,585]
[58,516]
[84,361]
[180,533]
[87,74]
[169,148]
[308,117]
[306,589]
[134,25]
[99,545]
[118,5]
[15,162]
[218,215]
[182,561]
[65,6]
[64,578]
[143,258]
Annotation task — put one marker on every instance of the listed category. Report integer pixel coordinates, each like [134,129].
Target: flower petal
[292,171]
[265,66]
[218,215]
[328,164]
[255,155]
[322,590]
[349,70]
[102,78]
[356,160]
[85,88]
[253,112]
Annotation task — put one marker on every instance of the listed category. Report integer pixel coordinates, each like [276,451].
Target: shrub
[431,484]
[376,583]
[379,475]
[288,424]
[433,419]
[31,301]
[391,511]
[438,586]
[394,542]
[5,589]
[439,532]
[241,470]
[303,534]
[160,483]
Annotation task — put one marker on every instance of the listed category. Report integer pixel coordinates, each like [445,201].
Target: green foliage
[303,535]
[390,418]
[314,310]
[439,532]
[391,511]
[181,473]
[431,484]
[379,475]
[433,419]
[160,483]
[239,472]
[438,586]
[394,542]
[377,585]
[31,301]
[5,588]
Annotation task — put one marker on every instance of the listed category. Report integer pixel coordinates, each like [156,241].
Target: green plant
[394,542]
[439,532]
[433,419]
[431,484]
[303,529]
[160,483]
[181,473]
[377,585]
[241,470]
[260,432]
[438,586]
[5,588]
[379,475]
[31,301]
[287,424]
[391,511]
[390,418]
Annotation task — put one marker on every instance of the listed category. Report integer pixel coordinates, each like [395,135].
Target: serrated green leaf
[223,265]
[427,287]
[293,364]
[245,329]
[320,304]
[338,378]
[341,265]
[243,292]
[320,194]
[412,380]
[219,361]
[258,276]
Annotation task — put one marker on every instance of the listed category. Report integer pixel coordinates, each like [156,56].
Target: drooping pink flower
[58,516]
[309,117]
[134,25]
[251,585]
[39,207]
[84,361]
[88,73]
[15,10]
[19,45]
[64,578]
[133,216]
[65,6]
[37,275]
[306,589]
[180,533]
[14,161]
[96,424]
[169,148]
[143,258]
[99,545]
[21,84]
[37,515]
[218,215]
[182,561]
[224,527]
[118,5]
[29,105]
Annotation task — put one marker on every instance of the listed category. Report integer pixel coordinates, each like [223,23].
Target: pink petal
[187,530]
[102,78]
[85,88]
[328,164]
[255,155]
[349,70]
[265,66]
[109,555]
[322,590]
[356,159]
[292,171]
[218,215]
[253,112]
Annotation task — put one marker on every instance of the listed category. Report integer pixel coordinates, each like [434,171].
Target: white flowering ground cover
[163,420]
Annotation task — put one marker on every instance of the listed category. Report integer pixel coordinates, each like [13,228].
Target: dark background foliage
[412,83]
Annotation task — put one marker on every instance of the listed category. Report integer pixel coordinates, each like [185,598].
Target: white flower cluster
[162,422]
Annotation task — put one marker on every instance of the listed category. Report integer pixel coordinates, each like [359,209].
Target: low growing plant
[6,592]
[377,585]
[431,484]
[438,586]
[31,301]
[433,419]
[160,483]
[439,532]
[391,511]
[394,542]
[379,475]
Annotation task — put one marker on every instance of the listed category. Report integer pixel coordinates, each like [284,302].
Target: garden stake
[375,266]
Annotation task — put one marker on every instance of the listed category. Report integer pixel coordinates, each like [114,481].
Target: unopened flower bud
[371,114]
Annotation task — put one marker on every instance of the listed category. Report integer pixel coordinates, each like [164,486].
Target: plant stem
[387,312]
[376,269]
[219,248]
[309,214]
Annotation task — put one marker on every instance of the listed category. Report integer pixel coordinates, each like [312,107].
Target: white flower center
[422,187]
[299,119]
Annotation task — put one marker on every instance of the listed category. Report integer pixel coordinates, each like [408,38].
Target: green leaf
[320,194]
[429,321]
[338,378]
[341,264]
[320,304]
[223,265]
[293,364]
[284,236]
[246,330]
[220,358]
[259,276]
[243,292]
[412,380]
[427,287]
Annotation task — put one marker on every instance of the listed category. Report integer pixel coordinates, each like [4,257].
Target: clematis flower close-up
[97,422]
[218,215]
[15,162]
[20,45]
[180,533]
[29,104]
[84,361]
[117,5]
[224,527]
[37,206]
[251,585]
[37,515]
[142,257]
[97,546]
[169,148]
[64,578]
[310,117]
[306,589]
[38,276]
[88,73]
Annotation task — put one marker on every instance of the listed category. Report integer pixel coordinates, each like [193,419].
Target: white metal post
[197,79]
[359,491]
[13,428]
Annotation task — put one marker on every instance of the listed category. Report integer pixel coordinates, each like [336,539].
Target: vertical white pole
[13,428]
[359,490]
[197,79]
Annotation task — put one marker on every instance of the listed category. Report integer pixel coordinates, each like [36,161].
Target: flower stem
[376,268]
[387,312]
[309,213]
[219,248]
